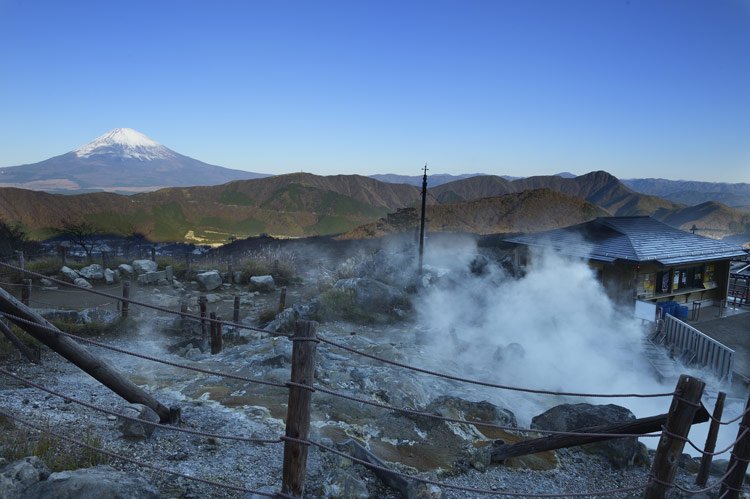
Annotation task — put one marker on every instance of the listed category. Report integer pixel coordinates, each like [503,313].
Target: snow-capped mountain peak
[124,143]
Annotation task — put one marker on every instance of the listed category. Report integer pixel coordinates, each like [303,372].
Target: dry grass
[17,443]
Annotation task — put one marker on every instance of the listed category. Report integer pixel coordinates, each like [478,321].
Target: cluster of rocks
[30,478]
[145,272]
[213,279]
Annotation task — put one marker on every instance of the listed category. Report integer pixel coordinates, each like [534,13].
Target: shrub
[339,304]
[269,261]
[17,443]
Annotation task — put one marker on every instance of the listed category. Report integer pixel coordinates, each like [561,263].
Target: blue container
[683,314]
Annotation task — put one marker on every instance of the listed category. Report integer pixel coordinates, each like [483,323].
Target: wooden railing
[706,351]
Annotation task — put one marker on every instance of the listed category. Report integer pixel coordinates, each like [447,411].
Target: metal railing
[706,351]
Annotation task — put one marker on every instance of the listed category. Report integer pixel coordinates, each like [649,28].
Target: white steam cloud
[554,329]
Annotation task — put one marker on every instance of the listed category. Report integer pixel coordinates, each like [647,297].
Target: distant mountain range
[303,204]
[122,160]
[692,193]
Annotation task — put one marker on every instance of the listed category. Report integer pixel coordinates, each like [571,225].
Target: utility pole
[421,225]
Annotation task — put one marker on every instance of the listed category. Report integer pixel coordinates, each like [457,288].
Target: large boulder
[93,483]
[152,277]
[484,412]
[126,269]
[143,266]
[620,452]
[82,283]
[69,273]
[110,276]
[20,475]
[263,282]
[93,272]
[209,280]
[373,296]
[137,429]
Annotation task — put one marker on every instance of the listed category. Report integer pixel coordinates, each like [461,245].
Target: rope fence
[137,462]
[297,440]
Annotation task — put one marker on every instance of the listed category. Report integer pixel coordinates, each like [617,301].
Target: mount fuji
[122,160]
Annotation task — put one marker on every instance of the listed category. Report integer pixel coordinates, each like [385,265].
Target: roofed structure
[633,239]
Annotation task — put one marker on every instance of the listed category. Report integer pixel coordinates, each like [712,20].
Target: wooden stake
[298,410]
[26,292]
[713,432]
[47,333]
[236,314]
[740,455]
[685,404]
[126,297]
[219,341]
[282,299]
[212,332]
[32,354]
[202,302]
[153,254]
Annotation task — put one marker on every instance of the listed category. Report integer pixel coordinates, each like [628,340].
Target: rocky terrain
[365,302]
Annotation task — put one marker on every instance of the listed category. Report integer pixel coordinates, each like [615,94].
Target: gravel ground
[249,465]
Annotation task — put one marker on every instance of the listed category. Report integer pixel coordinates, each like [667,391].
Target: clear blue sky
[639,88]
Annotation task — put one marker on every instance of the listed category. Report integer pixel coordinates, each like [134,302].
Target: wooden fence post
[236,314]
[218,341]
[126,297]
[21,261]
[153,254]
[212,331]
[282,299]
[202,302]
[685,404]
[713,432]
[740,455]
[298,410]
[26,292]
[188,266]
[230,272]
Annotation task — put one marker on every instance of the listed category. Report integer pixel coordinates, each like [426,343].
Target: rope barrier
[690,442]
[460,487]
[718,483]
[144,356]
[352,350]
[147,305]
[733,420]
[493,385]
[463,421]
[131,418]
[141,464]
[321,389]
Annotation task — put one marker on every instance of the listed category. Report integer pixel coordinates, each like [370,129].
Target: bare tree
[80,233]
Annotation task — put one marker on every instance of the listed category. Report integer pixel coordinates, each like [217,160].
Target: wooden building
[639,258]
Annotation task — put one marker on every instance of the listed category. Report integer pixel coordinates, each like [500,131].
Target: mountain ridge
[304,204]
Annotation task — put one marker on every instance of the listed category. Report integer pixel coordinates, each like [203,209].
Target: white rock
[125,268]
[209,280]
[80,281]
[110,276]
[71,274]
[263,282]
[213,298]
[143,266]
[94,272]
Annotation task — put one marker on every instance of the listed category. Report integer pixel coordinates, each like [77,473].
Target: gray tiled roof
[637,239]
